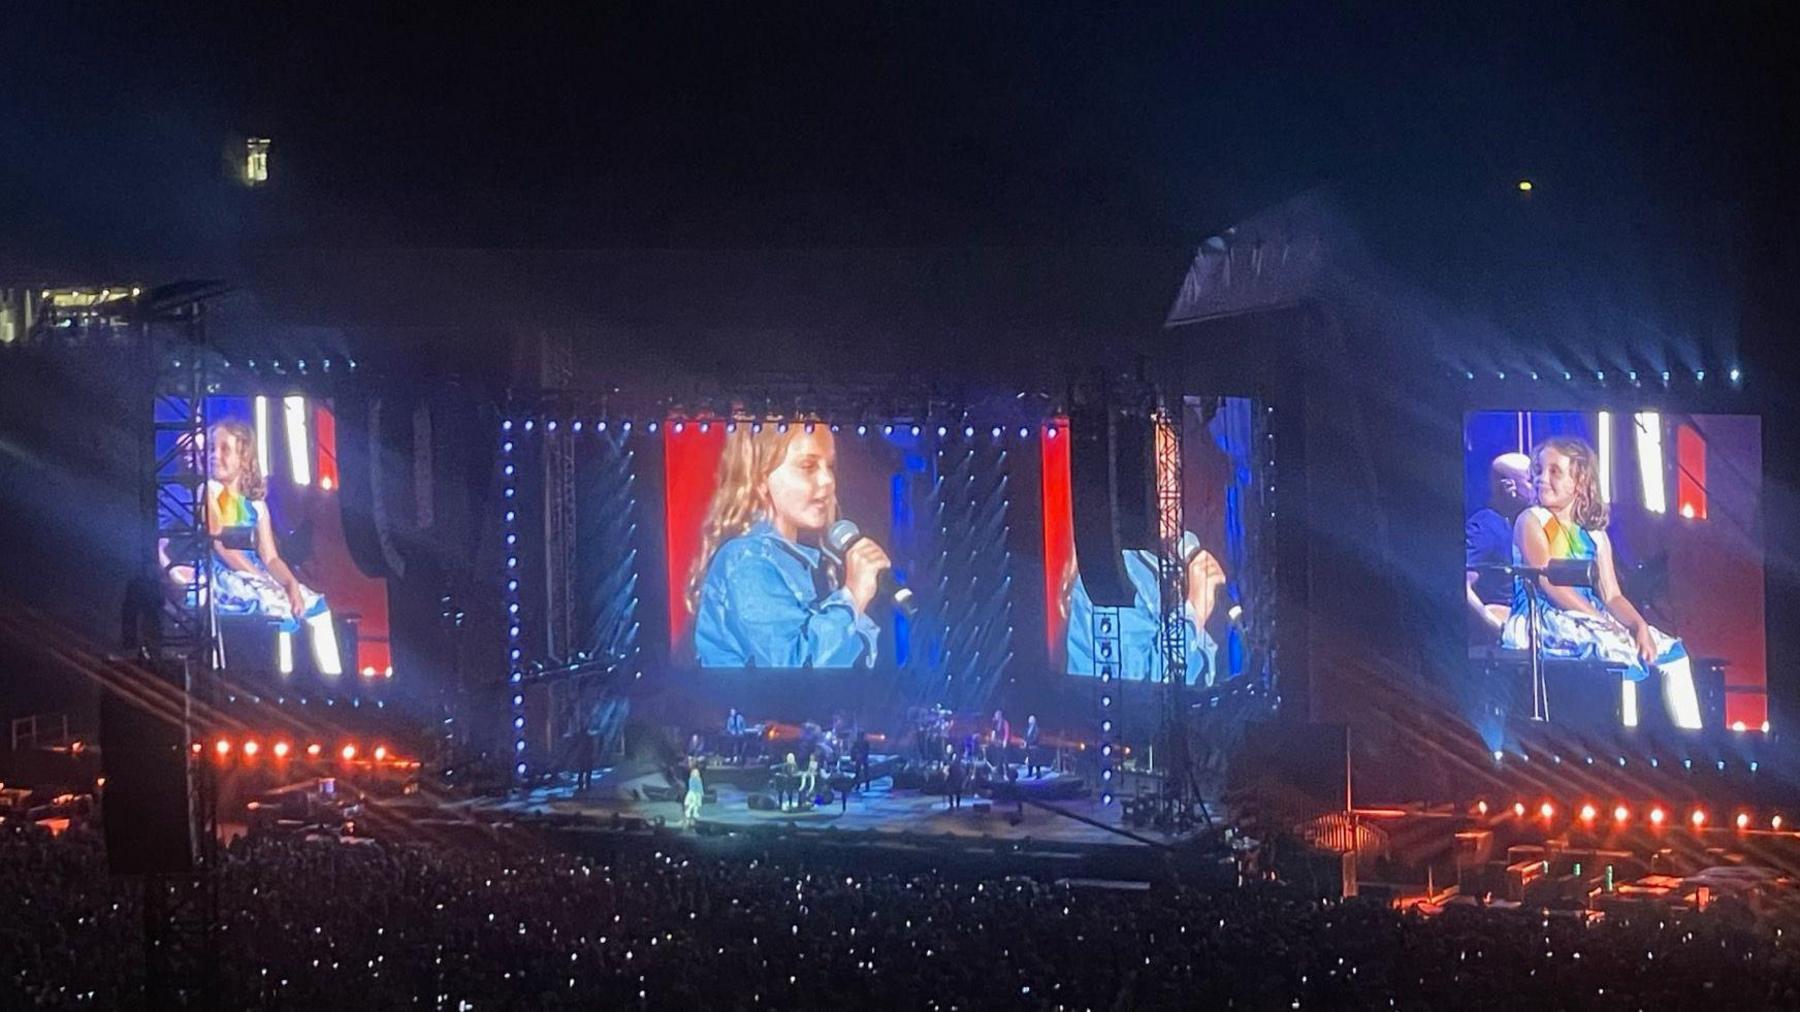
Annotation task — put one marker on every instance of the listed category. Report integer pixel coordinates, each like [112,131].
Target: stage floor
[877,809]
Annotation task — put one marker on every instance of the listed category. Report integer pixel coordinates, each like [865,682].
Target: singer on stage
[764,591]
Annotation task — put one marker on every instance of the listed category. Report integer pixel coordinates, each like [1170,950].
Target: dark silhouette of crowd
[326,924]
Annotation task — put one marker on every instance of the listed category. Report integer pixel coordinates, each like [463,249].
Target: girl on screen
[1140,653]
[255,580]
[763,592]
[1569,522]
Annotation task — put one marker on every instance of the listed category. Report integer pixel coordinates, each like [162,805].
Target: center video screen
[1624,550]
[1226,619]
[787,543]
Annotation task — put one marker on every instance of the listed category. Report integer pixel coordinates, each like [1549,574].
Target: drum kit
[931,732]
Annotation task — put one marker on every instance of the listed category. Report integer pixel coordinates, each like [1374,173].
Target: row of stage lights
[1734,376]
[250,748]
[1588,814]
[680,426]
[1653,762]
[279,366]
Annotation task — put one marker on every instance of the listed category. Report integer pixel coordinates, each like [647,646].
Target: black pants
[956,797]
[586,751]
[862,776]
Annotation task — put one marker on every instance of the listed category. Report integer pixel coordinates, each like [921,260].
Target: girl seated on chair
[255,580]
[1588,623]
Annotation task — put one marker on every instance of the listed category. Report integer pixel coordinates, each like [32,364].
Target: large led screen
[1225,620]
[1624,550]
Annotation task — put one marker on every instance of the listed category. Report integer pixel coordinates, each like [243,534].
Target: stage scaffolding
[181,910]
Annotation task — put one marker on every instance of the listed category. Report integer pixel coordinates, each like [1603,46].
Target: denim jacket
[1140,655]
[760,608]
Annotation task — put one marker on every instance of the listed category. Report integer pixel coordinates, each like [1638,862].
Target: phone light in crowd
[1603,449]
[1621,814]
[299,446]
[1698,818]
[222,746]
[251,748]
[197,748]
[1657,816]
[1650,461]
[281,750]
[314,750]
[262,435]
[1481,807]
[348,753]
[1519,809]
[1736,375]
[1525,186]
[1588,813]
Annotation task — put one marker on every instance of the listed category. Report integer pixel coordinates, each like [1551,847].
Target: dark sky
[891,124]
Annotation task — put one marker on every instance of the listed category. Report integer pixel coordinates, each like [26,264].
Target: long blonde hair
[1589,510]
[255,487]
[749,457]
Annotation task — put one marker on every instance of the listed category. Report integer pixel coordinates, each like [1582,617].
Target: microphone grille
[840,535]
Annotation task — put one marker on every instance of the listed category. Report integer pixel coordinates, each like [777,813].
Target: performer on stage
[590,725]
[1032,759]
[1001,731]
[955,779]
[1598,622]
[256,581]
[763,593]
[735,731]
[787,778]
[859,754]
[696,794]
[809,778]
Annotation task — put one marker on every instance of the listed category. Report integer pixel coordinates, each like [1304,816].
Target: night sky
[876,125]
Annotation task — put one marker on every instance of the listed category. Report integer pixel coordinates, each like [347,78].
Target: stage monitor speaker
[148,823]
[761,802]
[1112,481]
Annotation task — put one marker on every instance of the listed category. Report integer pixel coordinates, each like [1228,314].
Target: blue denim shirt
[1140,655]
[759,608]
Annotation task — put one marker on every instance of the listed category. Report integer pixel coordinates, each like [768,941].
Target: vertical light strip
[262,436]
[284,652]
[509,519]
[1650,461]
[299,446]
[1603,437]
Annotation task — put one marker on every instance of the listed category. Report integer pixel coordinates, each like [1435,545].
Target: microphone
[838,541]
[1189,547]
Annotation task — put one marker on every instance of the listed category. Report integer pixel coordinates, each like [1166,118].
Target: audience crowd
[316,924]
